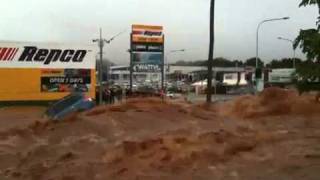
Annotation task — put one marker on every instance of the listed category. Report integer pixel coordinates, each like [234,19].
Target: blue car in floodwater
[76,102]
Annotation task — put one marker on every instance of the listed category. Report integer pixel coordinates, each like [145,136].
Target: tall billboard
[147,47]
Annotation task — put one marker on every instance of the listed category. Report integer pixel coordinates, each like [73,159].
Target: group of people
[110,95]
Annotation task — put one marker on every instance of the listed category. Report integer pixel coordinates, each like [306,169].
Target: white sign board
[281,75]
[230,79]
[47,55]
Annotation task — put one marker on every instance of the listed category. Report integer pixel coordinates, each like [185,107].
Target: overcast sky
[185,23]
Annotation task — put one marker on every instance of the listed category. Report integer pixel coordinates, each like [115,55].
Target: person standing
[112,95]
[162,94]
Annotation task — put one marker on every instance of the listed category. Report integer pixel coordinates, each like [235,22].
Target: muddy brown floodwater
[275,135]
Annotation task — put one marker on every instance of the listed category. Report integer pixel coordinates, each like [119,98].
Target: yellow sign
[147,40]
[24,84]
[52,72]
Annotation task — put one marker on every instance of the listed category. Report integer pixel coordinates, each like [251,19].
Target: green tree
[222,62]
[308,73]
[309,39]
[217,62]
[283,63]
[252,62]
[312,2]
[237,63]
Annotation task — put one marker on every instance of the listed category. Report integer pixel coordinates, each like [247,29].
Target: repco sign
[32,53]
[46,55]
[147,34]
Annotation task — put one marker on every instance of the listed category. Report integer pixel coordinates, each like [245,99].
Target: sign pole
[131,63]
[101,43]
[163,68]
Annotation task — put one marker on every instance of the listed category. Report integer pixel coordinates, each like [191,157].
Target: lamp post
[101,43]
[257,45]
[257,34]
[294,50]
[167,55]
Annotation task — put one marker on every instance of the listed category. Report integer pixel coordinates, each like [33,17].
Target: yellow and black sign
[31,71]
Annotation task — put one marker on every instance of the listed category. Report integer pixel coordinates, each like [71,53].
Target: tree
[237,63]
[308,73]
[252,62]
[217,62]
[312,2]
[222,62]
[210,59]
[308,77]
[283,63]
[181,63]
[309,39]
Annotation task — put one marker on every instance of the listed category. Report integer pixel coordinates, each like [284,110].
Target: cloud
[185,22]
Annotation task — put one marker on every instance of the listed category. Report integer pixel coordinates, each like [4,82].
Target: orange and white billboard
[147,34]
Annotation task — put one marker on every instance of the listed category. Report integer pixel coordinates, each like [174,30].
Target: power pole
[101,42]
[211,48]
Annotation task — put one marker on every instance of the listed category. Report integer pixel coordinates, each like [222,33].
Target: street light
[167,55]
[101,42]
[179,50]
[171,52]
[257,41]
[294,50]
[257,44]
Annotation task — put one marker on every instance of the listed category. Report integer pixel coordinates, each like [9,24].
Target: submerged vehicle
[75,102]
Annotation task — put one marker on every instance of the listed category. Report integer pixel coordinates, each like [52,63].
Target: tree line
[223,62]
[309,41]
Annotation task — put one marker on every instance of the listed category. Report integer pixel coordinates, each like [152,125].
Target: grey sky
[185,22]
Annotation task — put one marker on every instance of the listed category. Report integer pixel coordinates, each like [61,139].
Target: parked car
[242,91]
[75,102]
[173,95]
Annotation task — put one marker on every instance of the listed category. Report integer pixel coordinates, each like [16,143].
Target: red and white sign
[46,55]
[147,34]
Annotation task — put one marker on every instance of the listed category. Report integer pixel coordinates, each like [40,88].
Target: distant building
[121,74]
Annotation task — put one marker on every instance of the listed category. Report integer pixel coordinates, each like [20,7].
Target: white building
[121,74]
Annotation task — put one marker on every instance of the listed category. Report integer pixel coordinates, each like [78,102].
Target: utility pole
[294,50]
[162,67]
[166,64]
[101,42]
[210,59]
[257,35]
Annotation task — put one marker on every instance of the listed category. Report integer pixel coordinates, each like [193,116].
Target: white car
[173,95]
